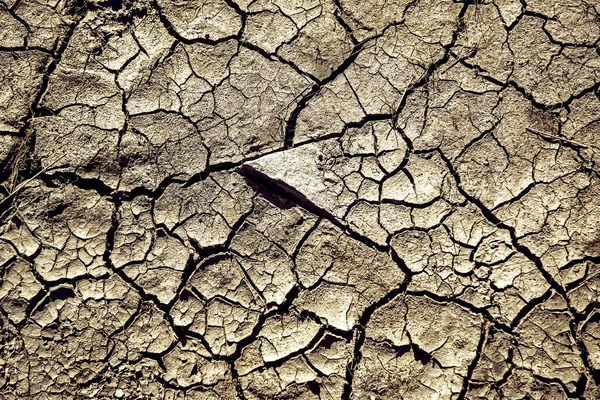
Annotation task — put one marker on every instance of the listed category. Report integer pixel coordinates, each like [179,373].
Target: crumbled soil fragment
[300,199]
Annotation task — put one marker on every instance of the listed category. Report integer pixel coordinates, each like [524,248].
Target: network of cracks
[299,199]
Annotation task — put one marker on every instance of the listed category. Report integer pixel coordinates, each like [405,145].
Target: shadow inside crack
[281,194]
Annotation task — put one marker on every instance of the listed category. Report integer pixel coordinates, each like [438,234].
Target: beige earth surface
[300,199]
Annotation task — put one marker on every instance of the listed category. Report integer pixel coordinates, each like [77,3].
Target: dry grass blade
[26,182]
[553,138]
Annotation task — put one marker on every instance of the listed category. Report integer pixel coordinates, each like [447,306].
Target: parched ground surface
[300,199]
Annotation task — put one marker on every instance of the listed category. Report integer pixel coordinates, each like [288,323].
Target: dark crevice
[290,129]
[285,191]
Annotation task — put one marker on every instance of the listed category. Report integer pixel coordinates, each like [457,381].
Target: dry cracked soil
[300,199]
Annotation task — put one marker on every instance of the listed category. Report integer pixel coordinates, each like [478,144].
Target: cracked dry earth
[300,199]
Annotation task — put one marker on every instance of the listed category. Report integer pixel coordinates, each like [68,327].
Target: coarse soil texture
[300,199]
